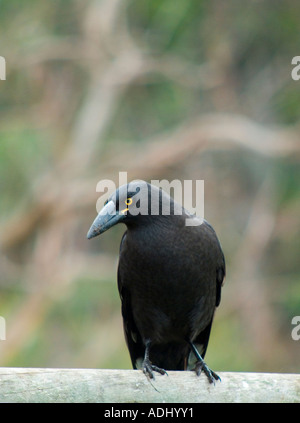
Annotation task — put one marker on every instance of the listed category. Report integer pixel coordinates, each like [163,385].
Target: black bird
[169,278]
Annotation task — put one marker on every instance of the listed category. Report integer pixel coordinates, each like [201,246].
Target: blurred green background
[162,90]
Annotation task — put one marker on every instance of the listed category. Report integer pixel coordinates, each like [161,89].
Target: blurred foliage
[164,90]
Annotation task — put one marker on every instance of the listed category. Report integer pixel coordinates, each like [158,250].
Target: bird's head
[128,204]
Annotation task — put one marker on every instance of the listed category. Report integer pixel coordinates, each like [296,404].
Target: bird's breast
[169,293]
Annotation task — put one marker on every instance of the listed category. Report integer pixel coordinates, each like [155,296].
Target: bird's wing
[132,336]
[221,272]
[221,269]
[202,339]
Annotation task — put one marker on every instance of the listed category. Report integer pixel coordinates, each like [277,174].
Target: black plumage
[169,278]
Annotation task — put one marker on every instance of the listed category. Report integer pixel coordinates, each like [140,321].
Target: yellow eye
[128,201]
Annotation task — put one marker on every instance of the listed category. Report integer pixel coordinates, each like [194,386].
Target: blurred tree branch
[50,224]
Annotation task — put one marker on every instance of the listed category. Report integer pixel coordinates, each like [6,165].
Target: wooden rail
[127,386]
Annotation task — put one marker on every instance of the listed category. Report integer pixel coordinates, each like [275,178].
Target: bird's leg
[148,367]
[200,365]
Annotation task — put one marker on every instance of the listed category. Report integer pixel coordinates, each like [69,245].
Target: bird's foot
[211,375]
[149,368]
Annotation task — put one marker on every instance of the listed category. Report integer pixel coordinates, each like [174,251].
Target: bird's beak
[107,218]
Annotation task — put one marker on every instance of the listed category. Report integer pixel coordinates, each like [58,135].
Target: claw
[200,365]
[149,368]
[211,375]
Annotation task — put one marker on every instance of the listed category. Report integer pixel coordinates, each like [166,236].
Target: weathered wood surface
[128,386]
